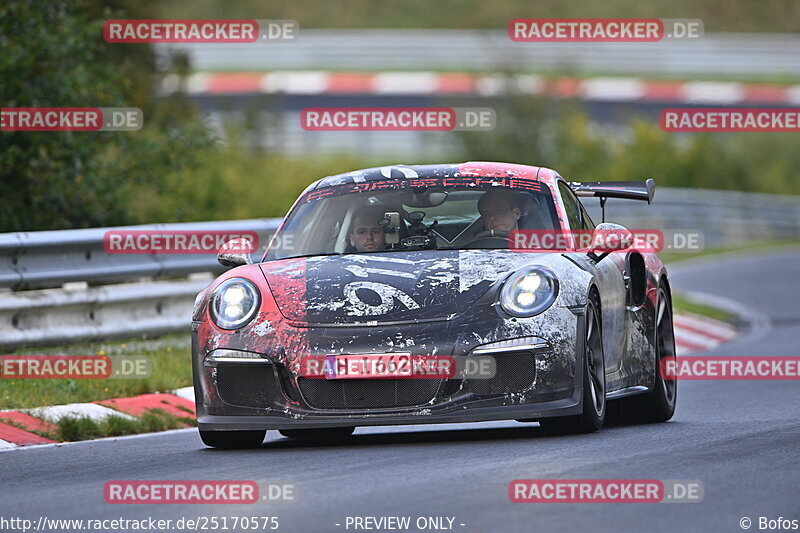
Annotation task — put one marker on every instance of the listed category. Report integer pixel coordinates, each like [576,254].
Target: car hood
[385,287]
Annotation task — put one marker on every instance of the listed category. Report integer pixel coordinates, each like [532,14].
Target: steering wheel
[493,238]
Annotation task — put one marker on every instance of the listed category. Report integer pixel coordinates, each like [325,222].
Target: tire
[233,440]
[594,380]
[320,434]
[658,405]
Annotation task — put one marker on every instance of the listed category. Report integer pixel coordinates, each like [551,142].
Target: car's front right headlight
[529,291]
[234,303]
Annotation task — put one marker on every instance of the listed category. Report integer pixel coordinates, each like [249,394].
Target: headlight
[234,303]
[529,292]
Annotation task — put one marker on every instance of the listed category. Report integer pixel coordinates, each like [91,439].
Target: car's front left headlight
[234,303]
[529,291]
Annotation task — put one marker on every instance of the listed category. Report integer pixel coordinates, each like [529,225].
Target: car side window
[587,221]
[571,206]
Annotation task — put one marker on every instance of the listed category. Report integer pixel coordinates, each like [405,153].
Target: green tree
[53,55]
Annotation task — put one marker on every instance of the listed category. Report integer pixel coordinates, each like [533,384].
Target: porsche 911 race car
[402,295]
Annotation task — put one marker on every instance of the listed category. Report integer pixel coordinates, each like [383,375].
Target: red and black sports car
[400,295]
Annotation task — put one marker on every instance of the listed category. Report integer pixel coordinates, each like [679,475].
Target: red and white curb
[17,427]
[454,83]
[693,333]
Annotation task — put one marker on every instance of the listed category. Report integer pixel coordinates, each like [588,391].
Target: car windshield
[342,220]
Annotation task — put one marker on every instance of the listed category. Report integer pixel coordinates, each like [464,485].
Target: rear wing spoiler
[629,190]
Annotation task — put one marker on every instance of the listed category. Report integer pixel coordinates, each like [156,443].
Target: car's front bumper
[429,415]
[555,391]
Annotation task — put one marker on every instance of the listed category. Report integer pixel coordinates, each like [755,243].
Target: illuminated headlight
[234,303]
[529,292]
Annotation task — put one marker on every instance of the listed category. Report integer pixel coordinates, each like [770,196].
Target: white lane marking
[93,411]
[5,445]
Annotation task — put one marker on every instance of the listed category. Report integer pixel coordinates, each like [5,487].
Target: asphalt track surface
[739,438]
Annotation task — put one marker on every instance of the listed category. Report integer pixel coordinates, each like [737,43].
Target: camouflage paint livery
[429,302]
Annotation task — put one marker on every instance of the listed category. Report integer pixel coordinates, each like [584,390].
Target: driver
[498,211]
[366,235]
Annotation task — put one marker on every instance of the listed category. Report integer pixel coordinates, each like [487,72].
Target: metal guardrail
[491,50]
[31,318]
[52,258]
[125,310]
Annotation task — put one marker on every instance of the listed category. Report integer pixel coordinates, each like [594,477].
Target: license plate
[367,366]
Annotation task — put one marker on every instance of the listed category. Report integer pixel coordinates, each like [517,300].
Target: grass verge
[681,304]
[72,429]
[171,369]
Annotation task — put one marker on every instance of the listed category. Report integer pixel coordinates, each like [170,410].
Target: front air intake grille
[516,372]
[367,393]
[246,385]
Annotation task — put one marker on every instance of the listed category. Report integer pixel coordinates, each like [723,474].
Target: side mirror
[235,252]
[608,237]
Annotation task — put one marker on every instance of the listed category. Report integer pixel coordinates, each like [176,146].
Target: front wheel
[594,380]
[658,405]
[233,440]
